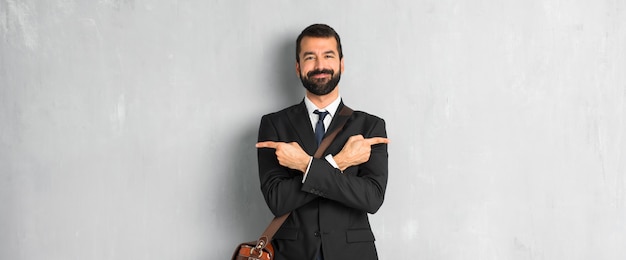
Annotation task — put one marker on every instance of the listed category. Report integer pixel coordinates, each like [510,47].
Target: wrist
[342,164]
[304,167]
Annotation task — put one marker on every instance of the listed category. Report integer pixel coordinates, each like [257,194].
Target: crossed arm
[357,150]
[284,190]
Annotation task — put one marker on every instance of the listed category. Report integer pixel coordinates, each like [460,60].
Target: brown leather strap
[273,227]
[343,117]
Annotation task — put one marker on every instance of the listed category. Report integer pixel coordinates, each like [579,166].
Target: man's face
[320,67]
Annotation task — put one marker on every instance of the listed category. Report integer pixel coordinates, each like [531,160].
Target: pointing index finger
[267,144]
[377,140]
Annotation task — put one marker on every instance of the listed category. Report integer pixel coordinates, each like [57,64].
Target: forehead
[316,44]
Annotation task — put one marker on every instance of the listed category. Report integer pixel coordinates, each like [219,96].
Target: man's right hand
[289,155]
[357,150]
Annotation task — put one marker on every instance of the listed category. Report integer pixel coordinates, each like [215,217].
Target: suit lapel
[299,118]
[337,119]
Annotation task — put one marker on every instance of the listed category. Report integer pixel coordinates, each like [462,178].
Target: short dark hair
[318,31]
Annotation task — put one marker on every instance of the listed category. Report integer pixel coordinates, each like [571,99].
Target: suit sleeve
[361,187]
[281,186]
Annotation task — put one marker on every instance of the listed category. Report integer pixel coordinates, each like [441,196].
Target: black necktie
[319,128]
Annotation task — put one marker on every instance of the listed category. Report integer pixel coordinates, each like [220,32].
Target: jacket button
[316,234]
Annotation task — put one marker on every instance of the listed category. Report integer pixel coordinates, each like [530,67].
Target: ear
[341,65]
[298,69]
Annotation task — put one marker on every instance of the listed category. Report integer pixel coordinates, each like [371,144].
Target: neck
[325,100]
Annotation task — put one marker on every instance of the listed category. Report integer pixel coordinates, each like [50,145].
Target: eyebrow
[313,53]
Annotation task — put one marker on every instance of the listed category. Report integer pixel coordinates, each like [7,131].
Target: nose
[319,64]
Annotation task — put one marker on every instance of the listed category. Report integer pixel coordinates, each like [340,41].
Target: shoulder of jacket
[362,114]
[283,111]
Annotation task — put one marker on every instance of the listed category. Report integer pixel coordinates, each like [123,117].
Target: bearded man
[329,197]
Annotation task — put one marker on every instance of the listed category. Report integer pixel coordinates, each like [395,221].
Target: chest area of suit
[304,134]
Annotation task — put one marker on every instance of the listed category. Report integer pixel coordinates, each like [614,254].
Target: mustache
[322,71]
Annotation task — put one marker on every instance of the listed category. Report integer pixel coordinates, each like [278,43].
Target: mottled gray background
[127,127]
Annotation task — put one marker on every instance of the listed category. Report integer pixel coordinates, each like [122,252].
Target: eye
[309,58]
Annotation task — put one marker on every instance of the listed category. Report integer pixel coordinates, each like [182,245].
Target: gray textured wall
[127,128]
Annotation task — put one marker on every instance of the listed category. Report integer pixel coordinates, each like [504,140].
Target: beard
[321,86]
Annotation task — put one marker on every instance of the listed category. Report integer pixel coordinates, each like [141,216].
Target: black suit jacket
[329,209]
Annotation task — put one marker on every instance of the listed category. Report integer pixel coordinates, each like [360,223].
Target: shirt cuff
[308,167]
[329,158]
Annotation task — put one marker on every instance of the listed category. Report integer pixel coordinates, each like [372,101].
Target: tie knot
[321,114]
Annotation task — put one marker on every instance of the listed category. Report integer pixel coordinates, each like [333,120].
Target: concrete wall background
[127,128]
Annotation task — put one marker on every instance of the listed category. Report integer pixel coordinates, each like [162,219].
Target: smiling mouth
[321,75]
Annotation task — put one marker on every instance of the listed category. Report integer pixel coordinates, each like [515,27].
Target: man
[329,198]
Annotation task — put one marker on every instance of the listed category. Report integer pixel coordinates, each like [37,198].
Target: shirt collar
[331,108]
